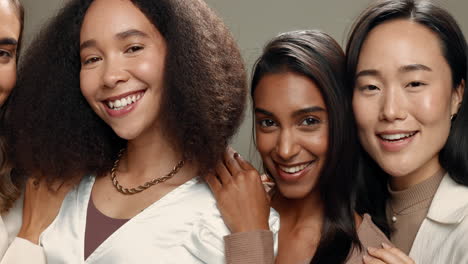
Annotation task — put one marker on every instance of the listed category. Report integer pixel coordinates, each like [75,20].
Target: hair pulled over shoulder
[320,58]
[454,156]
[8,190]
[54,131]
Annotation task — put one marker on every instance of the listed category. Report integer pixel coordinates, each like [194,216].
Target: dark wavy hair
[8,190]
[54,131]
[318,57]
[454,155]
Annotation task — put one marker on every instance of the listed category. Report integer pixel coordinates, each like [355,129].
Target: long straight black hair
[453,156]
[318,57]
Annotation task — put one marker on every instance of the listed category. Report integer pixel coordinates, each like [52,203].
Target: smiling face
[9,34]
[122,66]
[291,131]
[403,100]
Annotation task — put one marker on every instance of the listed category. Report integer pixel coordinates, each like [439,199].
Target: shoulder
[369,236]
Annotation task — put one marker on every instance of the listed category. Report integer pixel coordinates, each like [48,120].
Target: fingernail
[371,250]
[385,245]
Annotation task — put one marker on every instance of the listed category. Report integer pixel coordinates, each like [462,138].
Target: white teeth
[123,102]
[397,136]
[294,169]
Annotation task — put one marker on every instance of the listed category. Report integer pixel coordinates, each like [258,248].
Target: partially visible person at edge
[407,69]
[137,100]
[305,135]
[22,248]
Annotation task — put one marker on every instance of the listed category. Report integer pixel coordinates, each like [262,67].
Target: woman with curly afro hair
[137,100]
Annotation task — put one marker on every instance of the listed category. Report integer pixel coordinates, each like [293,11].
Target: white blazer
[443,235]
[184,226]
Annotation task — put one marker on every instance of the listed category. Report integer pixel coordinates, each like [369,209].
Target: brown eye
[267,123]
[133,49]
[310,121]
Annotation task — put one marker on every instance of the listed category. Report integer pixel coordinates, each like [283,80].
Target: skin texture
[404,85]
[121,52]
[238,178]
[41,205]
[413,100]
[9,35]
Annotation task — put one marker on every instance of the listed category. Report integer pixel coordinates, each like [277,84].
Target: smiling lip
[394,141]
[121,105]
[292,173]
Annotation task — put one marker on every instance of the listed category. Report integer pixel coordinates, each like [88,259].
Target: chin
[293,192]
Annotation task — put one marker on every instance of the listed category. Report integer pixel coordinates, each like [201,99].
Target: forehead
[287,89]
[401,42]
[109,17]
[9,22]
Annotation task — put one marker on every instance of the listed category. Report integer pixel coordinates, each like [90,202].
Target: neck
[152,155]
[398,183]
[298,212]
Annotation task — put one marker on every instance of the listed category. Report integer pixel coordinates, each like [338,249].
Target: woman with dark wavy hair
[306,137]
[137,100]
[407,70]
[22,248]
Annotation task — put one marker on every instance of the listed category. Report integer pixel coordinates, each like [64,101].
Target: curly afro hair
[53,130]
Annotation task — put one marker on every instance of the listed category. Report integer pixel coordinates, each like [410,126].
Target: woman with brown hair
[137,100]
[23,248]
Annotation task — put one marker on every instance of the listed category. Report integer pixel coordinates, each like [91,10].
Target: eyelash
[134,49]
[91,60]
[263,122]
[4,53]
[310,121]
[369,87]
[416,84]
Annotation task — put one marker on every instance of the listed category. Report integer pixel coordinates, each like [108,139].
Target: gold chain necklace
[146,185]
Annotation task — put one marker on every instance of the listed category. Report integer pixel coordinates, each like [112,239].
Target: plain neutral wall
[254,22]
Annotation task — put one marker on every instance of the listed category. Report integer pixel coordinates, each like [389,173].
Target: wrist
[30,235]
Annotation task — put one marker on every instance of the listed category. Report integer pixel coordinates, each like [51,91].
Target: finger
[213,183]
[385,255]
[398,253]
[370,260]
[231,162]
[245,165]
[223,173]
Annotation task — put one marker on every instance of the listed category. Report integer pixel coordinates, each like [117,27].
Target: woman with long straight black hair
[304,132]
[407,70]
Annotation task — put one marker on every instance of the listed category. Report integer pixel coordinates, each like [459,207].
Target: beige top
[370,236]
[257,247]
[407,209]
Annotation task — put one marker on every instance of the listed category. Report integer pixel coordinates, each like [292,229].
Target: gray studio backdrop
[254,22]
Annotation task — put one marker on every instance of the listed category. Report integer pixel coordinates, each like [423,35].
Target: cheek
[266,143]
[431,107]
[364,112]
[88,84]
[8,78]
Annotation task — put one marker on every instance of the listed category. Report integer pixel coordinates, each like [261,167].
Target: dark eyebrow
[307,110]
[414,67]
[131,33]
[8,41]
[367,73]
[87,44]
[262,111]
[311,109]
[121,36]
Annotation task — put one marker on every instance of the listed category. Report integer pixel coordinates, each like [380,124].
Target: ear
[457,97]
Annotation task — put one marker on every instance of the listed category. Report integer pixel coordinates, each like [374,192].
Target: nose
[287,147]
[114,74]
[392,105]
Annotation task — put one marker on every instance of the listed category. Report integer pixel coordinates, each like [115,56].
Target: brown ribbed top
[410,207]
[98,228]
